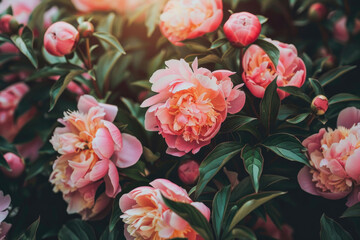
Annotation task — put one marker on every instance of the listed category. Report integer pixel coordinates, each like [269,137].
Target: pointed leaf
[332,230]
[219,207]
[76,230]
[30,233]
[25,44]
[270,49]
[253,163]
[295,91]
[109,39]
[343,97]
[334,74]
[270,106]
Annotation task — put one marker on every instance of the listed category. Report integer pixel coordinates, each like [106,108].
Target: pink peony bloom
[4,205]
[96,5]
[259,71]
[60,39]
[9,99]
[91,148]
[184,19]
[189,172]
[16,165]
[190,105]
[147,217]
[334,158]
[268,228]
[242,29]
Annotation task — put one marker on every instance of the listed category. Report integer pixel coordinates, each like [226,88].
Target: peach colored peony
[185,19]
[334,158]
[268,228]
[259,71]
[4,205]
[190,105]
[91,148]
[147,217]
[9,99]
[16,165]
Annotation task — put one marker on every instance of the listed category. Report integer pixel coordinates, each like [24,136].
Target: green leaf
[211,58]
[110,235]
[315,84]
[334,74]
[109,39]
[286,146]
[353,211]
[243,233]
[30,233]
[76,230]
[115,213]
[143,83]
[250,204]
[25,44]
[343,97]
[218,43]
[253,163]
[214,161]
[295,91]
[105,65]
[60,85]
[220,203]
[332,230]
[3,162]
[299,118]
[262,19]
[270,49]
[267,180]
[269,106]
[5,146]
[193,216]
[198,45]
[235,122]
[153,16]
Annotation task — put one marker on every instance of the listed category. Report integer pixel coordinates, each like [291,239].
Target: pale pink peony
[147,217]
[4,206]
[60,39]
[268,228]
[186,19]
[334,158]
[16,164]
[190,105]
[259,71]
[189,172]
[9,99]
[91,148]
[242,29]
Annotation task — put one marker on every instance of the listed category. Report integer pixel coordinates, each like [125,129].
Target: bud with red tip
[242,29]
[317,12]
[16,165]
[86,29]
[320,105]
[60,39]
[8,24]
[189,172]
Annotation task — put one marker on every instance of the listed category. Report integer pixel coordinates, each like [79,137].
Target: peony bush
[179,119]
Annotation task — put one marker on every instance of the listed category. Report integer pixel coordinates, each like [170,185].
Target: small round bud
[189,172]
[317,12]
[5,23]
[14,25]
[86,29]
[320,105]
[16,164]
[242,29]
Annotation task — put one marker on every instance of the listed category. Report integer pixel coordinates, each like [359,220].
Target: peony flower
[334,158]
[320,105]
[21,9]
[91,148]
[268,228]
[183,19]
[4,205]
[340,31]
[189,172]
[16,165]
[147,217]
[317,12]
[60,39]
[95,5]
[259,71]
[9,99]
[190,105]
[242,29]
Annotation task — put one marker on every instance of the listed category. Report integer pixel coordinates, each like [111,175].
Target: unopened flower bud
[189,172]
[320,105]
[317,12]
[16,164]
[86,29]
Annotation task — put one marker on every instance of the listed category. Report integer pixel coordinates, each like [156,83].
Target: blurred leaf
[298,119]
[234,122]
[198,45]
[243,233]
[218,43]
[37,167]
[315,84]
[220,203]
[250,204]
[253,163]
[25,45]
[109,39]
[76,230]
[308,64]
[214,161]
[143,83]
[262,19]
[334,74]
[3,162]
[153,15]
[115,213]
[193,216]
[110,235]
[30,233]
[332,230]
[60,85]
[105,65]
[136,111]
[343,97]
[270,106]
[270,49]
[149,155]
[287,146]
[211,58]
[267,180]
[57,69]
[295,91]
[353,211]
